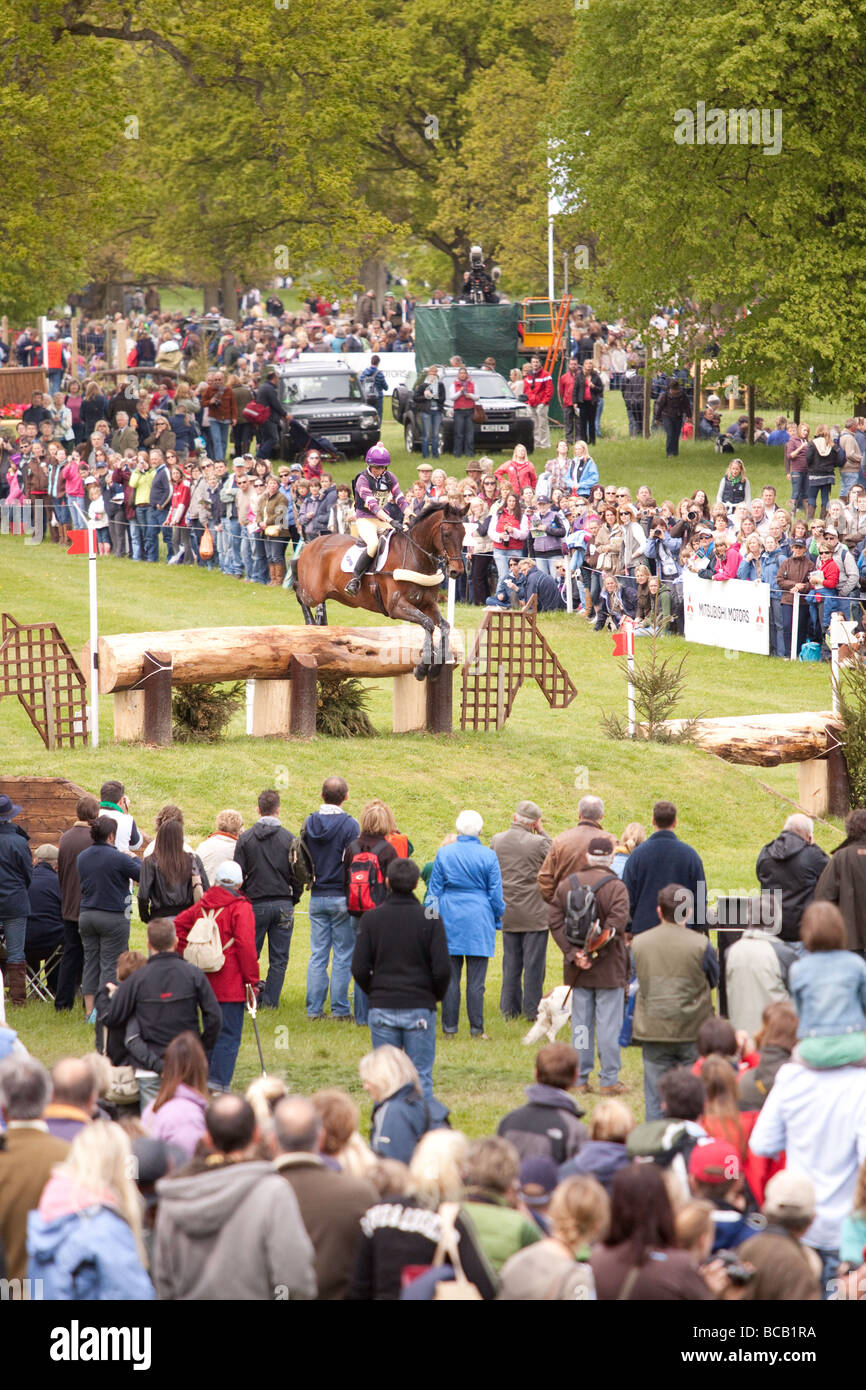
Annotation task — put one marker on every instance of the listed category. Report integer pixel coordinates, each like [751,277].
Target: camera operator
[478,286]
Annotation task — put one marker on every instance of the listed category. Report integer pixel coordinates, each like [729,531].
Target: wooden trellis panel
[507,650]
[37,666]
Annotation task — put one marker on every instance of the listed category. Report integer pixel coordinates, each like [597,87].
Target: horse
[406,590]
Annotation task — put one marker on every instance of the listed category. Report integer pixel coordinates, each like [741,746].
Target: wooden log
[838,787]
[440,697]
[766,740]
[409,704]
[249,653]
[129,716]
[812,787]
[269,709]
[157,698]
[302,711]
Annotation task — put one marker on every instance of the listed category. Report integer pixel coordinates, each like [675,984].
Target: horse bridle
[436,556]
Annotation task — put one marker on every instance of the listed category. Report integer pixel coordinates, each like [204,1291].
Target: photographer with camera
[429,401]
[478,285]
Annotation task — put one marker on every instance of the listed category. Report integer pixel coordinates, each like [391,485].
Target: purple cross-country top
[372,493]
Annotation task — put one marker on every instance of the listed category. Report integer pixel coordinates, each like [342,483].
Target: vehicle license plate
[338,438]
[494,429]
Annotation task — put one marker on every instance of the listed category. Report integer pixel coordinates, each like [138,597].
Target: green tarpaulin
[473,331]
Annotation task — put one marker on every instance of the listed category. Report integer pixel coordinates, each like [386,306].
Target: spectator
[715,1176]
[172,878]
[791,866]
[263,855]
[463,405]
[45,922]
[828,985]
[73,1098]
[342,1146]
[366,861]
[84,1241]
[638,1259]
[114,802]
[676,970]
[466,890]
[27,1155]
[229,1226]
[671,410]
[549,1125]
[818,1120]
[557,1267]
[236,925]
[660,860]
[567,854]
[220,846]
[176,1116]
[106,906]
[402,964]
[853,1246]
[72,842]
[326,833]
[604,1153]
[16,872]
[599,974]
[160,1001]
[331,1204]
[774,1043]
[491,1178]
[521,851]
[401,1113]
[757,966]
[784,1269]
[843,880]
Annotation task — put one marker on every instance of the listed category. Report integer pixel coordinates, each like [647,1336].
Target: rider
[374,487]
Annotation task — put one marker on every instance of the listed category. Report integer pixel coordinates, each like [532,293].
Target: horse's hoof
[420,672]
[435,673]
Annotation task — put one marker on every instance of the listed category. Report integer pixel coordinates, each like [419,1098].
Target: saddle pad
[350,556]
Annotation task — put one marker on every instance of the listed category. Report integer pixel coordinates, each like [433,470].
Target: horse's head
[439,529]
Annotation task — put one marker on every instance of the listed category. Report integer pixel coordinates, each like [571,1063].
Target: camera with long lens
[478,285]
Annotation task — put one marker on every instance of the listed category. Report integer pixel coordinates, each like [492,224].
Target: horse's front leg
[402,609]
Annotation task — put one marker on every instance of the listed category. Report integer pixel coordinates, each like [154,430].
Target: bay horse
[405,590]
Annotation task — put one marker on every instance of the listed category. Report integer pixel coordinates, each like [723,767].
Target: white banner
[394,366]
[729,613]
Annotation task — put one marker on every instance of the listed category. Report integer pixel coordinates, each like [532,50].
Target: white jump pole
[629,638]
[94,637]
[452,599]
[795,625]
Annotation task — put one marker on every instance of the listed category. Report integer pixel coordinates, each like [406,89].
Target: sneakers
[618,1088]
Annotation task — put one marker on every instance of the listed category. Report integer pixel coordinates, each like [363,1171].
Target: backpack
[366,881]
[203,945]
[369,389]
[301,861]
[582,928]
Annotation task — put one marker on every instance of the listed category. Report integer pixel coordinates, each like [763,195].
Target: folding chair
[39,974]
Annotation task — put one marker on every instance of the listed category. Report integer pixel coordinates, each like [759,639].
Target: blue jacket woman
[466,889]
[399,1121]
[80,1246]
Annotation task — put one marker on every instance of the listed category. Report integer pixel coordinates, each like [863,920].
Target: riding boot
[16,979]
[279,575]
[362,564]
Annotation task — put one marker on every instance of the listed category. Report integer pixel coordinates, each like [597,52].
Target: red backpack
[366,881]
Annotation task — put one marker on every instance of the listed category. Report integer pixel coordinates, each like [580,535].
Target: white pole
[834,677]
[550,293]
[94,638]
[632,727]
[795,625]
[452,599]
[569,581]
[44,326]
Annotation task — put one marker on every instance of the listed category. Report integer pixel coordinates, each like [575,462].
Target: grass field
[551,757]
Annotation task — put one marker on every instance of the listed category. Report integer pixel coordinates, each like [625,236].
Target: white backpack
[203,945]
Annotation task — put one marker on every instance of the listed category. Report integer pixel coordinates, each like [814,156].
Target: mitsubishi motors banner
[729,613]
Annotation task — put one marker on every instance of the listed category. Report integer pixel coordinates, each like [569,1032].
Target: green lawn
[551,757]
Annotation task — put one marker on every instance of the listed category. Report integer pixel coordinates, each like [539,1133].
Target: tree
[771,226]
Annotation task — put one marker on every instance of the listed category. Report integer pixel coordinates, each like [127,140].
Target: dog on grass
[554,1011]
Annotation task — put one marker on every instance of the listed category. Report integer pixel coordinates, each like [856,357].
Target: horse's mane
[449,513]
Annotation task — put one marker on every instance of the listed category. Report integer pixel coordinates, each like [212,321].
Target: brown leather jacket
[610,967]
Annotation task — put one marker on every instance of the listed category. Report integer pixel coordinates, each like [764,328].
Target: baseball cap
[703,530]
[831,531]
[230,874]
[600,844]
[714,1161]
[528,810]
[538,1171]
[799,540]
[789,1195]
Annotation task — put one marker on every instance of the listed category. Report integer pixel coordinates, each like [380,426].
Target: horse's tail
[293,566]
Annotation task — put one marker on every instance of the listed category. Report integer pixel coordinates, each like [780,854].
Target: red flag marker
[79,543]
[623,641]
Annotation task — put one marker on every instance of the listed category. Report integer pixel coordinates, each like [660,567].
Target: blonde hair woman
[557,1267]
[84,1242]
[400,1112]
[436,1169]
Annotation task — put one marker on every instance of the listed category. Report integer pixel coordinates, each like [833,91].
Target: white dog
[553,1013]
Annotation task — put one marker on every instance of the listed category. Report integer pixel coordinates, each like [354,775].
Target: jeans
[151,534]
[547,563]
[597,1012]
[138,532]
[598,409]
[430,423]
[672,429]
[15,930]
[847,479]
[275,551]
[777,627]
[274,920]
[476,973]
[331,929]
[258,563]
[524,953]
[222,1059]
[412,1030]
[464,433]
[635,420]
[798,491]
[500,560]
[788,626]
[104,936]
[219,434]
[76,508]
[232,533]
[658,1058]
[812,495]
[71,966]
[569,420]
[586,421]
